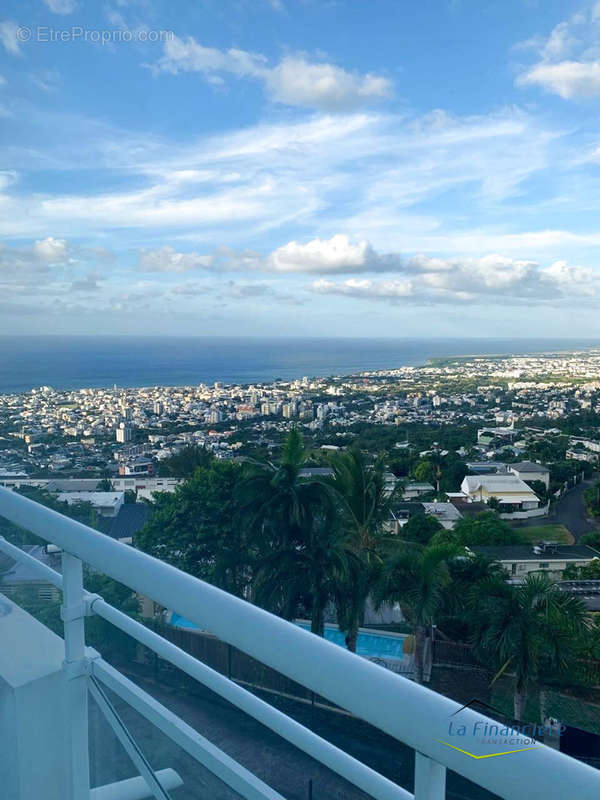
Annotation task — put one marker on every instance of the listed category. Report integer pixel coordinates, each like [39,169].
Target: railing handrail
[408,712]
[303,738]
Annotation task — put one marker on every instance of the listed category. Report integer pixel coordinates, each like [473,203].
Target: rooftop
[95,498]
[131,518]
[443,510]
[527,552]
[528,466]
[497,483]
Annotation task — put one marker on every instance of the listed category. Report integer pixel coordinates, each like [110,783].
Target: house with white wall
[515,497]
[550,558]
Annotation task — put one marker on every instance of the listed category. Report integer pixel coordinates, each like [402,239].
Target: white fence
[533,512]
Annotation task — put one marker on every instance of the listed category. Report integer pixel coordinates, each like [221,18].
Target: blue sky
[300,167]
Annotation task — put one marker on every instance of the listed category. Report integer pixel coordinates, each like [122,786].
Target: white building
[123,433]
[289,410]
[106,503]
[513,494]
[549,558]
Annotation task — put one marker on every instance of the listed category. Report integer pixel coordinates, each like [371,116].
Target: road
[570,512]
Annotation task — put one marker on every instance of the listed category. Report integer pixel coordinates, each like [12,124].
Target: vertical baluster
[430,778]
[73,613]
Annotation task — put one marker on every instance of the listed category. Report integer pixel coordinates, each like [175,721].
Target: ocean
[76,362]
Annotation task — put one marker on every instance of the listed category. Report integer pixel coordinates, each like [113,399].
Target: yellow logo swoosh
[489,755]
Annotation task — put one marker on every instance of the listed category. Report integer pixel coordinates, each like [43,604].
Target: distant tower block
[124,433]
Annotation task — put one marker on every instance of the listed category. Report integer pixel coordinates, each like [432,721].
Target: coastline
[134,362]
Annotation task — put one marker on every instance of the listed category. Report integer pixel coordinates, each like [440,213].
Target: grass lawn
[549,533]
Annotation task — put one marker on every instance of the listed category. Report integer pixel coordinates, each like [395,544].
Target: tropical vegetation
[304,544]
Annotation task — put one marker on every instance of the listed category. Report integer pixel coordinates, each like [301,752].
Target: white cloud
[61,6]
[166,259]
[297,82]
[355,287]
[188,55]
[492,277]
[8,37]
[235,186]
[337,254]
[52,263]
[568,79]
[577,280]
[294,81]
[569,59]
[51,250]
[7,178]
[418,278]
[38,256]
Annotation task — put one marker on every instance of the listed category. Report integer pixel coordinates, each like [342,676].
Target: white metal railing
[408,712]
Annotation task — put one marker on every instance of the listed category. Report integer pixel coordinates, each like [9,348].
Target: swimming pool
[371,645]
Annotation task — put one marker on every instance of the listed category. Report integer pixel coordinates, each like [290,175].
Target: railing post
[73,614]
[430,778]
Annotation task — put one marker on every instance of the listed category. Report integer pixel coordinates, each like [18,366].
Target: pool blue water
[182,622]
[368,644]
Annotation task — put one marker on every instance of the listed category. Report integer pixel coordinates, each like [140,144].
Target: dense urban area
[104,432]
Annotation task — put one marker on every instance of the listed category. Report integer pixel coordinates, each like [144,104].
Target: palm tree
[276,501]
[455,617]
[522,628]
[292,521]
[311,568]
[364,506]
[416,577]
[436,466]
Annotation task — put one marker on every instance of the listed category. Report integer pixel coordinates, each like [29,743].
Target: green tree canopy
[424,472]
[197,530]
[363,506]
[291,520]
[482,529]
[420,528]
[523,629]
[592,539]
[186,462]
[588,572]
[416,577]
[539,487]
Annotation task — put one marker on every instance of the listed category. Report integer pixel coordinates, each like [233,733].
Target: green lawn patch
[549,533]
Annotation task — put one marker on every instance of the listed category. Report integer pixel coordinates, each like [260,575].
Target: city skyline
[299,168]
